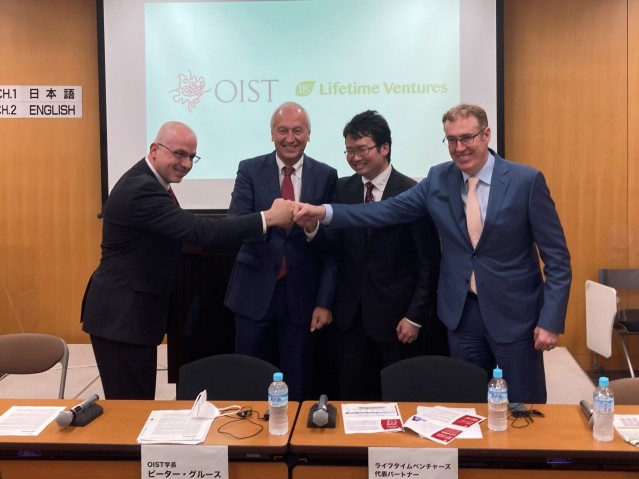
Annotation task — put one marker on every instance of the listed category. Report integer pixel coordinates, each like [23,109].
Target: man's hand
[321,317]
[545,340]
[406,332]
[307,215]
[280,214]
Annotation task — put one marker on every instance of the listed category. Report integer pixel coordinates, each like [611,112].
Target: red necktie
[368,198]
[172,195]
[288,193]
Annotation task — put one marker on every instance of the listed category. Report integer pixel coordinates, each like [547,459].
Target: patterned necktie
[368,198]
[288,193]
[473,221]
[172,195]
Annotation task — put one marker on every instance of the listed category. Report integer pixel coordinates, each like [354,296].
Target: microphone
[586,408]
[320,416]
[82,414]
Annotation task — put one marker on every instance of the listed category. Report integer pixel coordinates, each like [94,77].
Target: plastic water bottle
[278,405]
[497,402]
[603,406]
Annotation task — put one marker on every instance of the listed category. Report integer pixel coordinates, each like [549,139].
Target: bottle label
[604,404]
[277,400]
[497,396]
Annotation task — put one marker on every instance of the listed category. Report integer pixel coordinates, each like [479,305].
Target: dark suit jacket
[256,267]
[128,296]
[393,274]
[521,226]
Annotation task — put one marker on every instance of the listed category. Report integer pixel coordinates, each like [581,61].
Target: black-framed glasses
[360,151]
[451,141]
[181,154]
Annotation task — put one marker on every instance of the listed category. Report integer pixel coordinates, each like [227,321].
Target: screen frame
[104,168]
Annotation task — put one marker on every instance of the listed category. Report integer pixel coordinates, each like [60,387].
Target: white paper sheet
[27,420]
[369,418]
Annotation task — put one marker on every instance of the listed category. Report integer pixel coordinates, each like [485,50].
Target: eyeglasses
[181,154]
[451,141]
[360,151]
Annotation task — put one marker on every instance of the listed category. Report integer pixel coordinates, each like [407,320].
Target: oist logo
[304,88]
[189,90]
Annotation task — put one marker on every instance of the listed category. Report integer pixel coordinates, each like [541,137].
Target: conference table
[108,448]
[559,445]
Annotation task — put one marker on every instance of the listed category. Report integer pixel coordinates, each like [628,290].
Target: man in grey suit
[126,303]
[498,308]
[385,293]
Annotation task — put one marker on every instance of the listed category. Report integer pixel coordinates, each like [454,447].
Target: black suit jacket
[393,274]
[128,296]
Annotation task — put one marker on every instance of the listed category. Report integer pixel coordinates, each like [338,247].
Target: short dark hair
[372,124]
[464,111]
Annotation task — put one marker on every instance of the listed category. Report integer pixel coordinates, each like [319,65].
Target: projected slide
[222,67]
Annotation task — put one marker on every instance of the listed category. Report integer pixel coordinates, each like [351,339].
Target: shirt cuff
[329,215]
[311,235]
[264,228]
[413,323]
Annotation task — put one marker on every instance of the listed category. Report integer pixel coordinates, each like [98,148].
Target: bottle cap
[278,376]
[603,382]
[497,373]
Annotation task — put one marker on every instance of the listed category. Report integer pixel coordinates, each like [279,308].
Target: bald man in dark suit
[126,304]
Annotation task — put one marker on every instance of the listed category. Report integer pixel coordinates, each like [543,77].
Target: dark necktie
[368,198]
[172,195]
[288,193]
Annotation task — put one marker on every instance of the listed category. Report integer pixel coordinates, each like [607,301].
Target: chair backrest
[620,278]
[626,391]
[601,310]
[226,377]
[31,353]
[434,379]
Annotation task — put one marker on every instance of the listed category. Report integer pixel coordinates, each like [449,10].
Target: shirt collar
[297,167]
[160,179]
[380,180]
[486,172]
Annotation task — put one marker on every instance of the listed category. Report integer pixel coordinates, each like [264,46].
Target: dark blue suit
[521,226]
[254,294]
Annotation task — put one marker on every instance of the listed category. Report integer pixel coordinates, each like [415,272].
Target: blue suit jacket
[310,271]
[521,226]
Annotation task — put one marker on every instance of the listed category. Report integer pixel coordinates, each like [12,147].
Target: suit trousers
[281,340]
[361,359]
[522,364]
[127,371]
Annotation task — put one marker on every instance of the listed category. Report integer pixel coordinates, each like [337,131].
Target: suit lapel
[455,200]
[393,187]
[498,188]
[272,176]
[308,183]
[353,192]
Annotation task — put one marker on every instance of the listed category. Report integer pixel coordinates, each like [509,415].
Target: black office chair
[434,379]
[226,377]
[627,320]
